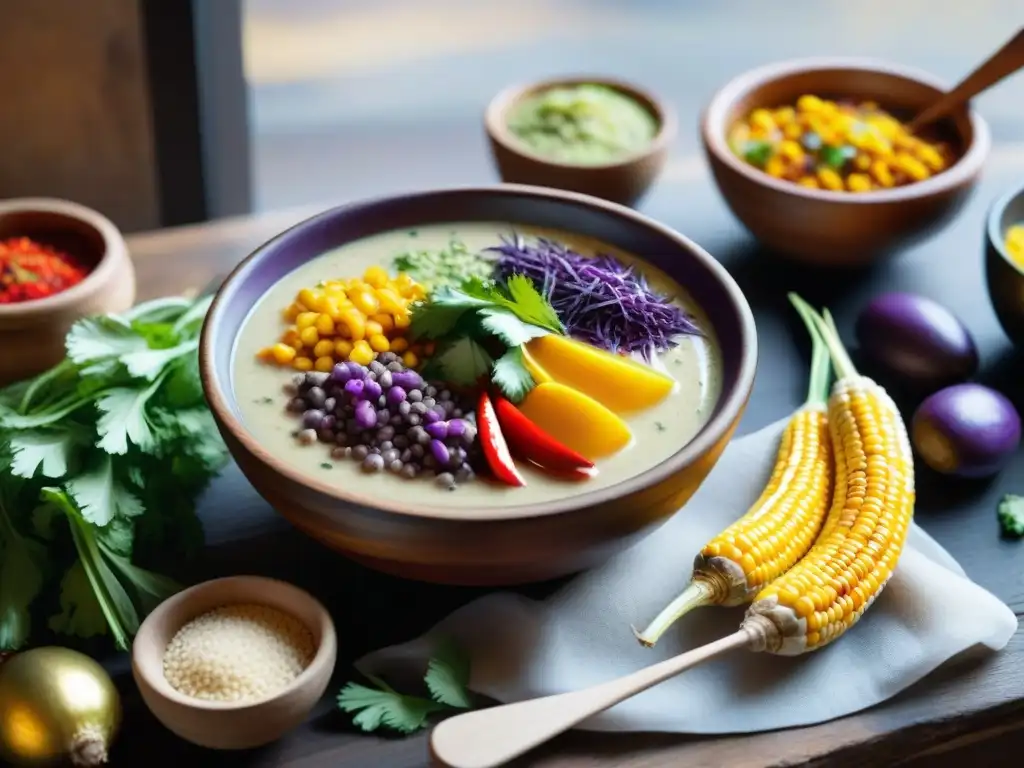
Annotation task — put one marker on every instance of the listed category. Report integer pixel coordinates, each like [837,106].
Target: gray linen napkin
[580,636]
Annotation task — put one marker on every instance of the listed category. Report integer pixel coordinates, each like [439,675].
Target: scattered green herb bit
[326,465]
[833,157]
[1011,515]
[659,426]
[414,233]
[265,400]
[449,266]
[757,152]
[599,300]
[101,460]
[446,679]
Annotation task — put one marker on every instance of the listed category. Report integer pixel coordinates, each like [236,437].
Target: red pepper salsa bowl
[59,262]
[422,532]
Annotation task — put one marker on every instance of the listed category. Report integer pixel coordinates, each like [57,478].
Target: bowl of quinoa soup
[489,385]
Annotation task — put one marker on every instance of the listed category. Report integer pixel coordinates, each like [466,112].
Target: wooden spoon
[999,65]
[491,737]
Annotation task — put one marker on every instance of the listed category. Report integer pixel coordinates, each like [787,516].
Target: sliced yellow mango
[575,420]
[616,381]
[539,374]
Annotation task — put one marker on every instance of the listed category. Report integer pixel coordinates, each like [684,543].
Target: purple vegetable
[440,452]
[430,416]
[355,388]
[357,371]
[599,300]
[917,340]
[967,430]
[364,415]
[396,395]
[407,380]
[456,428]
[437,429]
[313,418]
[340,373]
[371,389]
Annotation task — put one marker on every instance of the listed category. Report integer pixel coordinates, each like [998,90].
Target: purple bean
[312,418]
[396,420]
[316,378]
[406,455]
[464,474]
[401,441]
[456,428]
[360,452]
[355,388]
[418,408]
[436,429]
[386,433]
[341,452]
[431,417]
[396,395]
[371,390]
[395,466]
[469,435]
[385,379]
[383,417]
[389,455]
[446,480]
[373,463]
[377,367]
[414,396]
[328,423]
[457,413]
[366,417]
[440,452]
[341,438]
[296,405]
[407,379]
[357,371]
[340,373]
[413,420]
[410,471]
[417,450]
[404,407]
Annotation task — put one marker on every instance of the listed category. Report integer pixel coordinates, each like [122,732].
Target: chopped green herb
[659,426]
[757,152]
[833,157]
[1011,515]
[265,400]
[414,233]
[449,266]
[381,706]
[326,465]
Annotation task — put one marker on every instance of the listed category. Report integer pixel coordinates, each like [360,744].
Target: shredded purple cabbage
[600,300]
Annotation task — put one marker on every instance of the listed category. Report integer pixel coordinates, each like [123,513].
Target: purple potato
[967,430]
[917,340]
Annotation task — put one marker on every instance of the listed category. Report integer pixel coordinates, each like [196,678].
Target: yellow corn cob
[780,526]
[829,589]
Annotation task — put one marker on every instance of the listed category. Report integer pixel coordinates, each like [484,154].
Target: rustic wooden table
[970,709]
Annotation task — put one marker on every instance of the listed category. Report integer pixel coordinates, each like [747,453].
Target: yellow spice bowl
[229,725]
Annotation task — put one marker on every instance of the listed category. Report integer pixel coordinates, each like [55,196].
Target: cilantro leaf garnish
[101,497]
[511,375]
[462,362]
[520,297]
[1011,515]
[48,450]
[510,329]
[446,679]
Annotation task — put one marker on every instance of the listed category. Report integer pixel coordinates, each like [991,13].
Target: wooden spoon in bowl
[998,66]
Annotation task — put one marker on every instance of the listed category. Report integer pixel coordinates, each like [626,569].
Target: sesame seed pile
[237,653]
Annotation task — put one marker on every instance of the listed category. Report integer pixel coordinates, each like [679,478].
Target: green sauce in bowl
[584,124]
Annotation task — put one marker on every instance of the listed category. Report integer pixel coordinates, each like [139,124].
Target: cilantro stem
[99,590]
[40,380]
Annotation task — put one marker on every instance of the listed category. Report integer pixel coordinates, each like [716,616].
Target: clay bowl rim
[714,129]
[114,247]
[498,107]
[728,408]
[996,238]
[325,635]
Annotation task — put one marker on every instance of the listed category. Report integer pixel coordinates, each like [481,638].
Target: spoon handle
[491,737]
[1000,64]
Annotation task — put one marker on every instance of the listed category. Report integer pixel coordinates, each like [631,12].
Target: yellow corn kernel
[829,179]
[291,338]
[282,353]
[881,173]
[784,116]
[324,325]
[266,354]
[309,337]
[791,151]
[762,118]
[365,301]
[409,359]
[323,364]
[930,156]
[775,167]
[292,311]
[308,298]
[302,364]
[330,307]
[793,131]
[862,162]
[417,292]
[354,323]
[306,320]
[810,182]
[361,353]
[403,283]
[809,104]
[402,320]
[376,276]
[390,300]
[373,328]
[379,343]
[911,166]
[342,349]
[323,348]
[866,528]
[858,182]
[386,322]
[399,345]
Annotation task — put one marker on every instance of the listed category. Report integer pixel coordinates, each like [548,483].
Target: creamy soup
[658,432]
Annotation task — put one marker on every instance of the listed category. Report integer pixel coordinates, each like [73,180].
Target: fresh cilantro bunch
[446,679]
[101,460]
[480,329]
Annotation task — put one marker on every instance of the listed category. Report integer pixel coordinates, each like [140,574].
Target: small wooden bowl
[839,228]
[1005,279]
[624,181]
[32,333]
[227,725]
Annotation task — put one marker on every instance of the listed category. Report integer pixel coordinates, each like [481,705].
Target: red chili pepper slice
[533,443]
[495,450]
